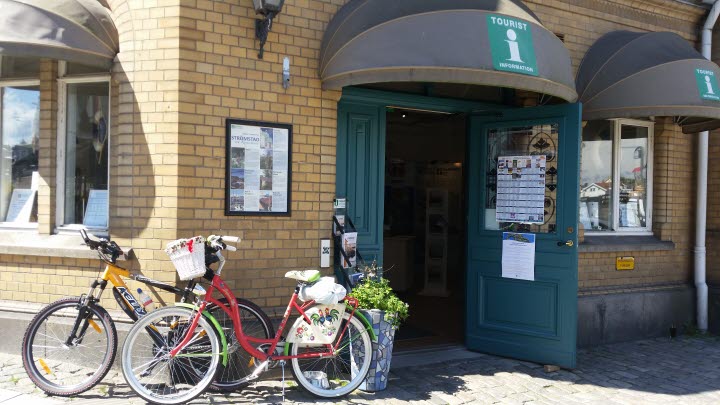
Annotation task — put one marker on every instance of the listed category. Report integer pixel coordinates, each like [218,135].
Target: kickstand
[282,365]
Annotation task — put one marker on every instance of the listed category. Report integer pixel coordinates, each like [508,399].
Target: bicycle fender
[365,322]
[217,326]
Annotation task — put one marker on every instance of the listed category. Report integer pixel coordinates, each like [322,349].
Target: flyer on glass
[521,189]
[258,168]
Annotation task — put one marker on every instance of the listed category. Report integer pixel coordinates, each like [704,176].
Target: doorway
[526,319]
[424,222]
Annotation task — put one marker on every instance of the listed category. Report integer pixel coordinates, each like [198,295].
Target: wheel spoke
[61,369]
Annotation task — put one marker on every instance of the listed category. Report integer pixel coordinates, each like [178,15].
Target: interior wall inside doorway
[424,220]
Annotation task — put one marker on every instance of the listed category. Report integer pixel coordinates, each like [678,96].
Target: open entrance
[424,226]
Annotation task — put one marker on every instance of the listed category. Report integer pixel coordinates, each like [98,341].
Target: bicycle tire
[256,324]
[163,377]
[70,357]
[361,350]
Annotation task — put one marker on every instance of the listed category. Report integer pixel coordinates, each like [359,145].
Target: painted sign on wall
[511,44]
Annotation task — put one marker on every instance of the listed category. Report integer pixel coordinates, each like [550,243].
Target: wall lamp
[269,9]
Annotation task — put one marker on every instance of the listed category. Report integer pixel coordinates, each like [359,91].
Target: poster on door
[521,189]
[518,256]
[258,168]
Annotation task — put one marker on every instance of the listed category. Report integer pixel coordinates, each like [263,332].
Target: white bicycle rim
[138,330]
[360,372]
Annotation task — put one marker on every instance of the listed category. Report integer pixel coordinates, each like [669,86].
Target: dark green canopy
[633,74]
[380,41]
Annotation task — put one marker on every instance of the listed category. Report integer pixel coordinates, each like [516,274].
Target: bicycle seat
[306,276]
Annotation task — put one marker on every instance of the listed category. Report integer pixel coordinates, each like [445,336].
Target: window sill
[29,243]
[623,243]
[12,226]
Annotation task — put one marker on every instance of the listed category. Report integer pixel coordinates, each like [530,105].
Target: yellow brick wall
[143,159]
[186,65]
[221,76]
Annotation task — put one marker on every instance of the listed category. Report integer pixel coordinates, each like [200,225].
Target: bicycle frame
[246,341]
[125,299]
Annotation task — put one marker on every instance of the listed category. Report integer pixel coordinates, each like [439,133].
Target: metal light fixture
[269,9]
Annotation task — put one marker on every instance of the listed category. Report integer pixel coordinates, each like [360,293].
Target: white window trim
[61,227]
[617,230]
[11,226]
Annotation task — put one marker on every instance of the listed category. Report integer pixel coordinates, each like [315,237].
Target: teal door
[361,172]
[530,320]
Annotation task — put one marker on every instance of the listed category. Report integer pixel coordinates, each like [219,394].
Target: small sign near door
[511,45]
[518,256]
[707,84]
[625,263]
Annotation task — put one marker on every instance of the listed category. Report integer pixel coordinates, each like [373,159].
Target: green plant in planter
[376,293]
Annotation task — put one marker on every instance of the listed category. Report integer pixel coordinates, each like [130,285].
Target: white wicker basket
[188,256]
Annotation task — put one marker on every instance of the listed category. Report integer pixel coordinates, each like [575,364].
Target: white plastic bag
[325,291]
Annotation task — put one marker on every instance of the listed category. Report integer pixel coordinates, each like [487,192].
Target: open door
[361,172]
[529,320]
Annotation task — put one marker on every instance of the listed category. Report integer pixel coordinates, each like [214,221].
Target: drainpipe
[701,208]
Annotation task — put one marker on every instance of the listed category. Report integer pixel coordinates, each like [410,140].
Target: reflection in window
[19,67]
[632,165]
[19,158]
[86,151]
[615,153]
[596,176]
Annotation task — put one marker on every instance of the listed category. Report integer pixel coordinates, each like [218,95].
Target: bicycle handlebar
[104,246]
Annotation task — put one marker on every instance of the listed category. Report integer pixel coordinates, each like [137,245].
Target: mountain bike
[70,345]
[328,346]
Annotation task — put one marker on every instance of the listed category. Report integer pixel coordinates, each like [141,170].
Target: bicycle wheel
[159,378]
[340,374]
[63,366]
[240,364]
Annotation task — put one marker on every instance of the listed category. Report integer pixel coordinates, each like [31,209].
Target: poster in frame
[258,168]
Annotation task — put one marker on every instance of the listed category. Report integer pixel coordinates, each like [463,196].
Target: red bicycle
[172,354]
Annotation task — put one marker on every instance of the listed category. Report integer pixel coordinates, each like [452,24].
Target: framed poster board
[258,168]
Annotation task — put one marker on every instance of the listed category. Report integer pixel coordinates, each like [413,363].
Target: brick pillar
[47,161]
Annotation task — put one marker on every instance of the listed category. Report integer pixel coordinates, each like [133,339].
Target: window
[617,152]
[19,139]
[83,168]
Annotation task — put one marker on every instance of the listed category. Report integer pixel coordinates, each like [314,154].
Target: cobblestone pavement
[660,371]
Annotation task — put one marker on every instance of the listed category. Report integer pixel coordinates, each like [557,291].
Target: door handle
[568,243]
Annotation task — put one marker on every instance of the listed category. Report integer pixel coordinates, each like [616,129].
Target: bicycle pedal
[261,368]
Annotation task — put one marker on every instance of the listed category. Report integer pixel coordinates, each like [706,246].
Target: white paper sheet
[518,256]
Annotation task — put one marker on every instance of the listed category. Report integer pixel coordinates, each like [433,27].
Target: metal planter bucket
[377,377]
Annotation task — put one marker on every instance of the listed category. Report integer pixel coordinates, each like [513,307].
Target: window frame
[62,82]
[616,230]
[21,82]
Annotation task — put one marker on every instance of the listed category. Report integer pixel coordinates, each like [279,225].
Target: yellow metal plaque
[625,263]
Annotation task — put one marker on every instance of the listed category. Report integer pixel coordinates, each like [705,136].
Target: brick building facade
[184,66]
